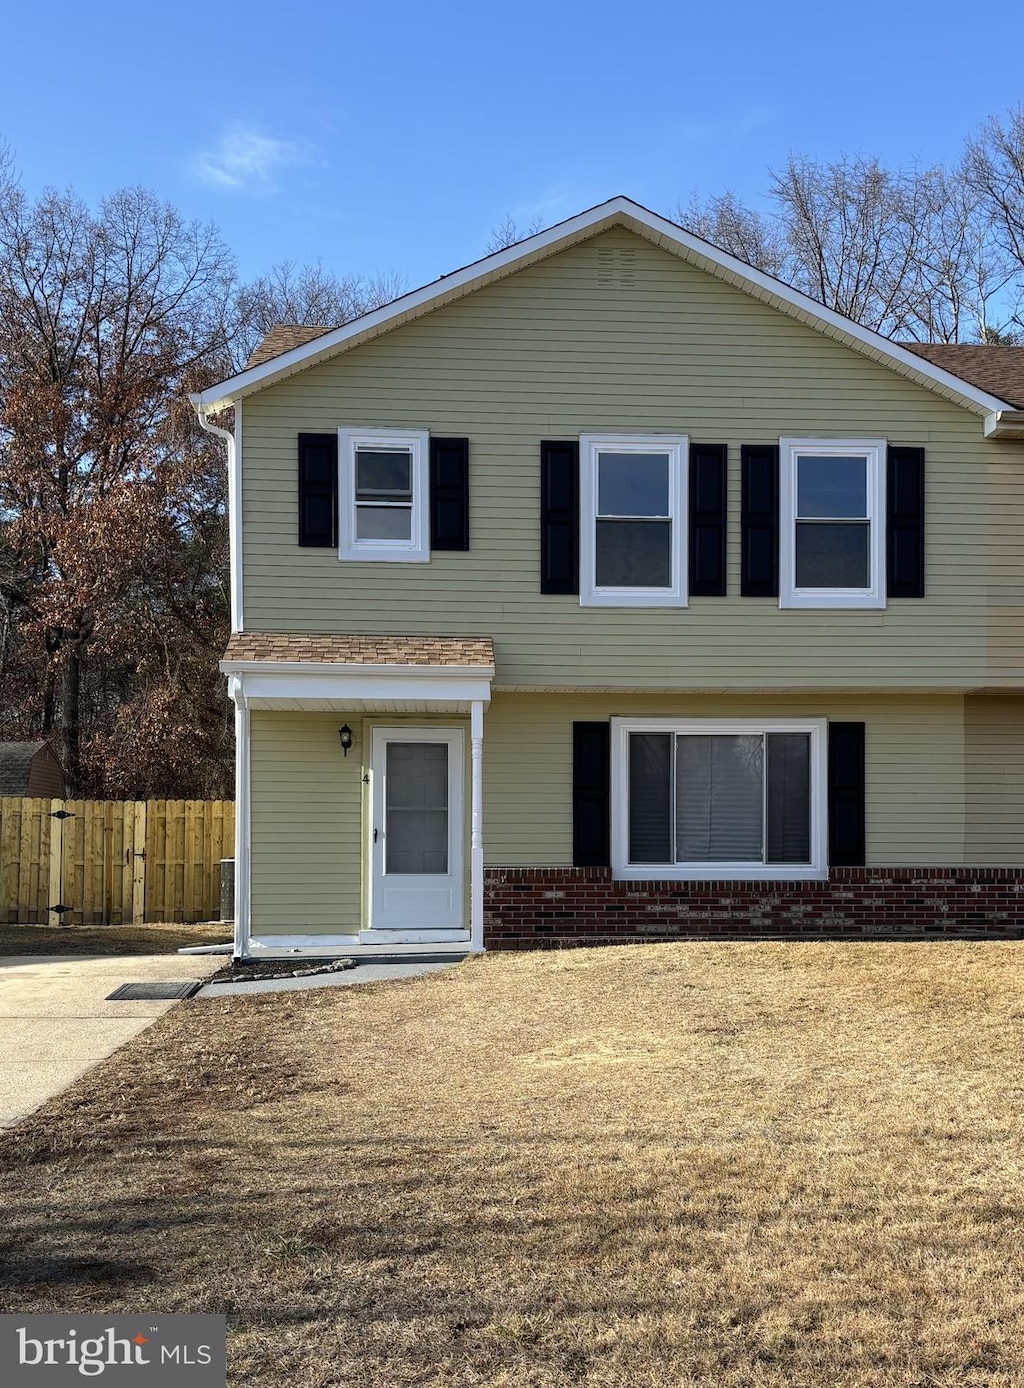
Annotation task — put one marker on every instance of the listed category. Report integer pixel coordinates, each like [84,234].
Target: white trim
[334,667]
[356,946]
[676,447]
[235,521]
[790,450]
[243,820]
[476,822]
[624,871]
[617,211]
[454,740]
[352,685]
[415,550]
[1005,424]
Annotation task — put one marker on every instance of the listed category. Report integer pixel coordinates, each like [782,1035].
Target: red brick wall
[538,908]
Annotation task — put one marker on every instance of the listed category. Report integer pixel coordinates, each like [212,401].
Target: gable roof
[618,211]
[997,369]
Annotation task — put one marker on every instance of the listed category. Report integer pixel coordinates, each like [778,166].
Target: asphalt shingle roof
[331,648]
[15,764]
[999,370]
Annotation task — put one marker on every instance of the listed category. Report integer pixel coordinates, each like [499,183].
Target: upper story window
[633,520]
[832,540]
[383,510]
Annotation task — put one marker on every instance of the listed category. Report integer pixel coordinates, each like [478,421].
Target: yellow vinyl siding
[994,763]
[555,351]
[306,824]
[914,771]
[309,809]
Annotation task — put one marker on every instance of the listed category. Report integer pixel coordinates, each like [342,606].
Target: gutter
[1005,424]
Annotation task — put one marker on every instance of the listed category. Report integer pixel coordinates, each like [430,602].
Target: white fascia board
[1005,424]
[340,686]
[326,668]
[617,211]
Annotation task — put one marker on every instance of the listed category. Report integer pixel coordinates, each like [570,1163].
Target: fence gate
[111,862]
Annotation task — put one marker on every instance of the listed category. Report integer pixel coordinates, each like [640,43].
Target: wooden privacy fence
[112,862]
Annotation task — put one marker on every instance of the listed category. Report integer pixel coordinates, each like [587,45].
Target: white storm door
[416,829]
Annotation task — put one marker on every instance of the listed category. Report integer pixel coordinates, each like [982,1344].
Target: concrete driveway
[55,1023]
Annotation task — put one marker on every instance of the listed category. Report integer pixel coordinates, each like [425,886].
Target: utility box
[227,889]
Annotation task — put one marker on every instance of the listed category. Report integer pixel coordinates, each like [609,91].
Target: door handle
[375,835]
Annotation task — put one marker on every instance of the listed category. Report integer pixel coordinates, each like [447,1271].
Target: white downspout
[234,442]
[235,690]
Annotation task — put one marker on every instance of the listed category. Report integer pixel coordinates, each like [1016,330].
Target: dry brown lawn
[730,1165]
[158,938]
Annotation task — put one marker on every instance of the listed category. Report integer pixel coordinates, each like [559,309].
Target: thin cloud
[245,160]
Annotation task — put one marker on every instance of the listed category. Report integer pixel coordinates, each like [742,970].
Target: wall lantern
[345,733]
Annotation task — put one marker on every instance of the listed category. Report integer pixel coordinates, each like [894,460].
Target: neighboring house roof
[333,649]
[30,768]
[282,337]
[997,369]
[618,211]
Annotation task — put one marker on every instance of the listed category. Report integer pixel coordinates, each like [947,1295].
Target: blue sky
[394,136]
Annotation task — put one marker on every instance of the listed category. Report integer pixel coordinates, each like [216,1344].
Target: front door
[416,785]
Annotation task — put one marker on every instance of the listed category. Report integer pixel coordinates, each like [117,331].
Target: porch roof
[311,671]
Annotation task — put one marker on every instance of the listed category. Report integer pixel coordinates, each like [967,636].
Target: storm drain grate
[154,992]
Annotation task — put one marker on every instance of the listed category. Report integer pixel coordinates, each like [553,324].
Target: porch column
[476,826]
[242,817]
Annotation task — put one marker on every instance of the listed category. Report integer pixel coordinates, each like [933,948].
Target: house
[30,769]
[609,589]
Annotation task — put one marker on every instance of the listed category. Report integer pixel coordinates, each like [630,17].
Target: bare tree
[910,253]
[757,238]
[994,169]
[508,232]
[307,294]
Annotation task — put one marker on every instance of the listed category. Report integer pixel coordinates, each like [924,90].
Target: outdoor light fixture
[345,733]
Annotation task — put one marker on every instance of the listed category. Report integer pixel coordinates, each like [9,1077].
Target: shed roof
[331,648]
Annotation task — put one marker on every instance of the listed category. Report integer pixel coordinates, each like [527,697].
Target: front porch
[359,827]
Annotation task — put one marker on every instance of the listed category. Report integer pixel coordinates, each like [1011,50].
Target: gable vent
[616,267]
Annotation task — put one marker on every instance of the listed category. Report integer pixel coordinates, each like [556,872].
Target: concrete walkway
[55,1023]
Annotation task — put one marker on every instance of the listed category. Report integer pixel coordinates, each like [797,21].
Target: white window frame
[415,550]
[790,450]
[625,871]
[591,447]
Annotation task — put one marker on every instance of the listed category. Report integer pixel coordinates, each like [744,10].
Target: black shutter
[449,493]
[560,517]
[591,794]
[318,490]
[707,519]
[904,523]
[759,520]
[846,794]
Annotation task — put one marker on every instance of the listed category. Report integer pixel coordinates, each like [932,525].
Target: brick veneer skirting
[543,908]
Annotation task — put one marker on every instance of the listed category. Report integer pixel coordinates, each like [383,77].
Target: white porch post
[242,818]
[476,830]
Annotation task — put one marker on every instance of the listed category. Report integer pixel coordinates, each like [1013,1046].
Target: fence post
[56,856]
[139,864]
